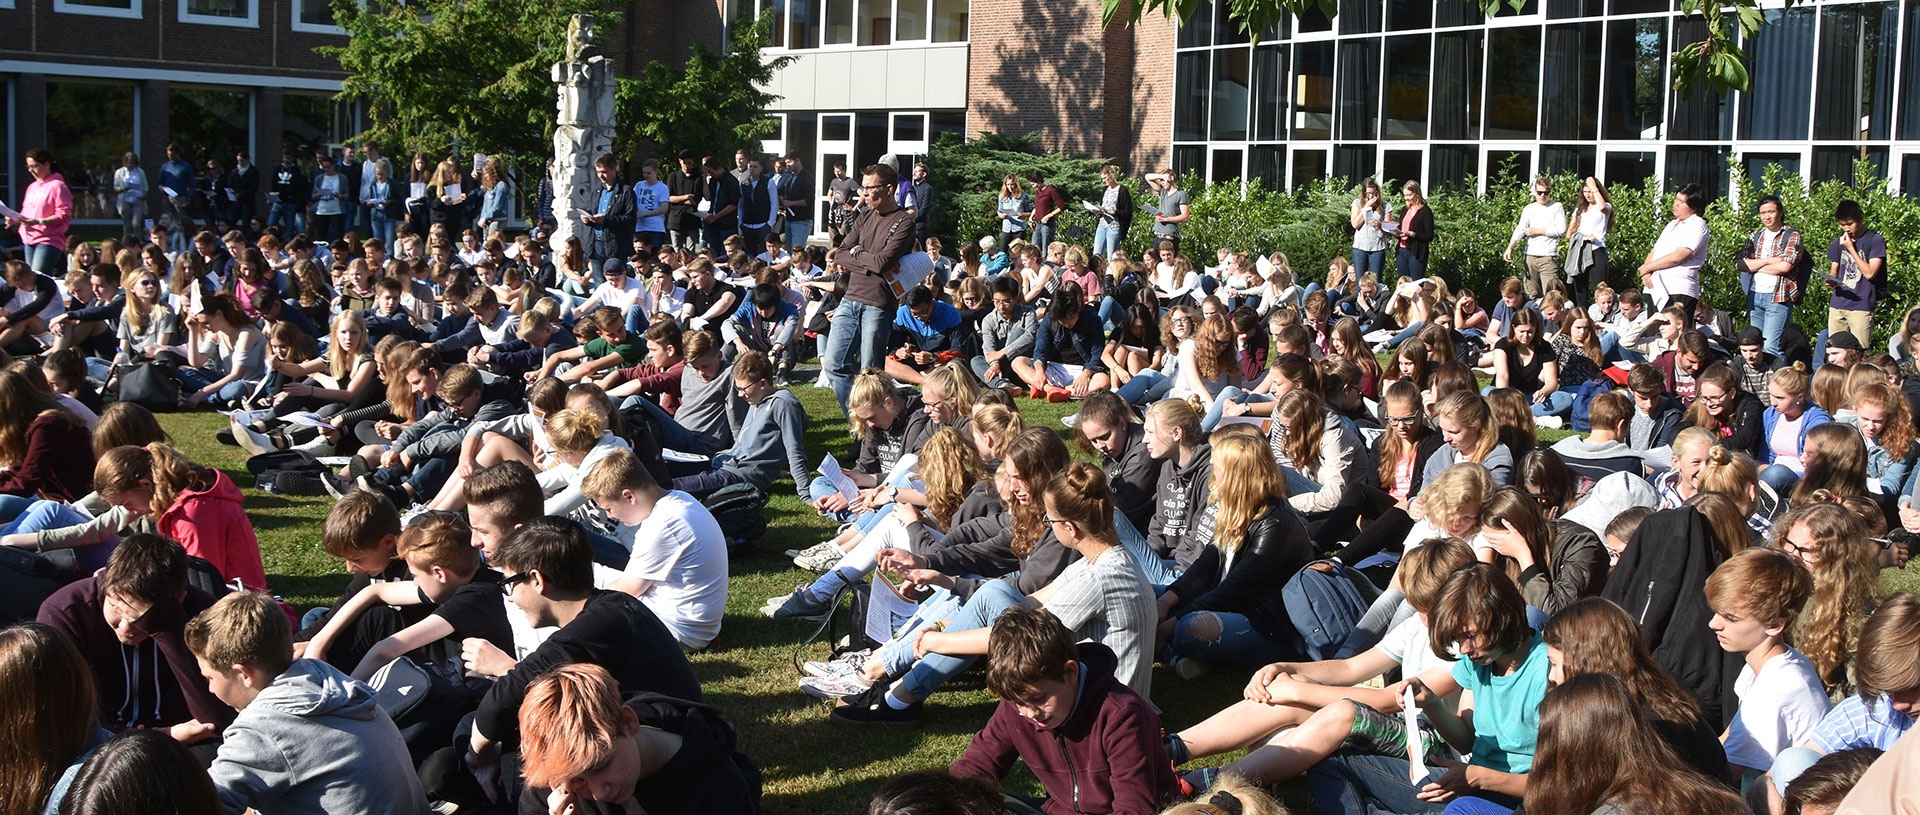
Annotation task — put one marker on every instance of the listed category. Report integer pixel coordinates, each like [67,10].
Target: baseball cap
[1844,341]
[1751,336]
[613,265]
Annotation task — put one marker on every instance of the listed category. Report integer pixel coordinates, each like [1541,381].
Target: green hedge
[1309,223]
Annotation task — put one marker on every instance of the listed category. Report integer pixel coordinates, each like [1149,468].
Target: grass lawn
[809,765]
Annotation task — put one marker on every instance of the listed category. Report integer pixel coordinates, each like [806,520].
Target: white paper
[9,212]
[306,419]
[247,416]
[1149,209]
[830,470]
[676,455]
[418,189]
[1417,771]
[170,193]
[901,467]
[888,613]
[1090,206]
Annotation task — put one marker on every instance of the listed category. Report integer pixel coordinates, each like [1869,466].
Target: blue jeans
[637,320]
[1238,644]
[1771,317]
[1106,240]
[1410,266]
[47,259]
[673,436]
[979,365]
[290,218]
[41,515]
[1228,394]
[1365,261]
[856,340]
[1145,387]
[1110,313]
[925,675]
[194,379]
[1559,403]
[380,226]
[1042,236]
[1405,334]
[1355,783]
[1781,478]
[1485,803]
[798,232]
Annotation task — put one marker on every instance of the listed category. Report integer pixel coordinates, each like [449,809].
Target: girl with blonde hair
[1220,610]
[147,323]
[1466,422]
[1886,425]
[1786,422]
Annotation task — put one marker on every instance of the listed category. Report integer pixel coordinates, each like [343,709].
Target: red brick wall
[1051,69]
[159,40]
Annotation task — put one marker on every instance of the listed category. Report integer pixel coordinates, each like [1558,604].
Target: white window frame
[134,10]
[294,24]
[252,20]
[1896,158]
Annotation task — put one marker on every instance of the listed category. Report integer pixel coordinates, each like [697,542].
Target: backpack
[267,469]
[1325,606]
[26,580]
[1583,402]
[151,385]
[424,704]
[741,511]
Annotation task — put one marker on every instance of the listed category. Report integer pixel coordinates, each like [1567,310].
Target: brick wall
[159,40]
[1051,69]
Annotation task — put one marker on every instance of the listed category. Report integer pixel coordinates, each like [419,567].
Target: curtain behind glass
[1782,67]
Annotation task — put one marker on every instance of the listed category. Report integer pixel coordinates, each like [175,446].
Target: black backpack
[26,580]
[741,511]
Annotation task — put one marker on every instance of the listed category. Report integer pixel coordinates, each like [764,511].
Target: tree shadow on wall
[1054,81]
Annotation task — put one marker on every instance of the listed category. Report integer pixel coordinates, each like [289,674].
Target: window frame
[294,24]
[251,20]
[135,9]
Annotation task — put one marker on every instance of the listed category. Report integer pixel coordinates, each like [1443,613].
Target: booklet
[1417,770]
[830,470]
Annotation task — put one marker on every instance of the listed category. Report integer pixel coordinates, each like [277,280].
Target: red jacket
[211,523]
[1106,758]
[58,464]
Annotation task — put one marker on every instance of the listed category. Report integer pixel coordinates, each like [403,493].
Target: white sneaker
[1552,422]
[821,558]
[847,664]
[834,687]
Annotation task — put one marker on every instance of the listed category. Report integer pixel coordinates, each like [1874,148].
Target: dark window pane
[1639,6]
[1408,80]
[1837,163]
[875,26]
[1359,88]
[1706,166]
[1360,16]
[308,122]
[1910,176]
[1447,13]
[316,12]
[803,23]
[89,127]
[1309,166]
[1568,9]
[1513,82]
[1910,80]
[1198,29]
[216,124]
[1637,79]
[1230,93]
[1456,85]
[1353,162]
[1856,72]
[836,128]
[1270,92]
[1567,158]
[1409,15]
[236,9]
[1225,166]
[1268,165]
[1398,167]
[1454,165]
[1315,20]
[1570,97]
[1756,164]
[909,127]
[1509,167]
[1190,75]
[839,28]
[1226,30]
[1313,94]
[779,7]
[1782,68]
[1630,169]
[1188,158]
[1701,114]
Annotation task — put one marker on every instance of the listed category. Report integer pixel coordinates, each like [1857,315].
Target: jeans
[1238,644]
[1229,394]
[1409,265]
[1486,803]
[1405,334]
[194,379]
[1146,387]
[1110,313]
[47,259]
[1042,236]
[712,235]
[1106,240]
[637,320]
[289,217]
[856,340]
[1780,477]
[1365,261]
[1160,571]
[381,226]
[1771,317]
[798,232]
[926,674]
[1559,403]
[41,515]
[1354,783]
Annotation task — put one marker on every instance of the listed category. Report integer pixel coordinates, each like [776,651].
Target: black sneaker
[292,482]
[871,708]
[357,466]
[225,436]
[335,485]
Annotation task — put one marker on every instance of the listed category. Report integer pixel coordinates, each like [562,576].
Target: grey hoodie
[313,742]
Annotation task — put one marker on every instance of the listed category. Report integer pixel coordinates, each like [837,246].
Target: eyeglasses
[873,187]
[1800,550]
[1403,421]
[1542,192]
[507,583]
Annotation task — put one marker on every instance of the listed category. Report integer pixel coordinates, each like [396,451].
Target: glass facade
[1430,90]
[89,129]
[811,24]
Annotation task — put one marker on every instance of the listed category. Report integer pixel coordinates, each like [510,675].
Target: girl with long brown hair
[198,506]
[1836,460]
[1348,343]
[1318,448]
[46,449]
[51,716]
[1720,407]
[1827,538]
[1222,609]
[1596,753]
[1554,566]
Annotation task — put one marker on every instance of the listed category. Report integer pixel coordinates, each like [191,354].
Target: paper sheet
[307,419]
[1090,206]
[830,470]
[8,211]
[888,613]
[901,467]
[1417,770]
[417,190]
[1149,209]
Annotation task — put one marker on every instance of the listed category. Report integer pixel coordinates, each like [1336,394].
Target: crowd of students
[539,469]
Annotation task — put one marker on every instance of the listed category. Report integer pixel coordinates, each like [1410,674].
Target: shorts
[1386,735]
[1062,375]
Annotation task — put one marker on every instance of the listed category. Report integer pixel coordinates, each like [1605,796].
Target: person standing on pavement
[1541,225]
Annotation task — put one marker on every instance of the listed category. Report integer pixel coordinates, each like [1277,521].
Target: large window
[212,123]
[1313,91]
[1456,84]
[1408,80]
[1513,83]
[1855,69]
[241,13]
[312,122]
[1782,92]
[1231,93]
[314,17]
[1358,88]
[1570,91]
[89,129]
[1270,93]
[1190,84]
[100,8]
[1637,80]
[804,24]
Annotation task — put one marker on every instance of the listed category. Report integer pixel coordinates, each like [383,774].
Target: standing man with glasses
[1541,224]
[870,255]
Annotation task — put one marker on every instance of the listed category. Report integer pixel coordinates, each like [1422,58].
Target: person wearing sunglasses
[1541,225]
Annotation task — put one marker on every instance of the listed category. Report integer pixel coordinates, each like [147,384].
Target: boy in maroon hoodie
[1094,744]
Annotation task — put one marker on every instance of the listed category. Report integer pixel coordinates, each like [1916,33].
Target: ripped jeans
[1226,638]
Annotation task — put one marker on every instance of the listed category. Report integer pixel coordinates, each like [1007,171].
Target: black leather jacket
[1275,547]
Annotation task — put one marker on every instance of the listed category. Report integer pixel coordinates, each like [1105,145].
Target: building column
[269,113]
[156,123]
[29,127]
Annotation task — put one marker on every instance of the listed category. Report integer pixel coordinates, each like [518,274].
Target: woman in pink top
[44,213]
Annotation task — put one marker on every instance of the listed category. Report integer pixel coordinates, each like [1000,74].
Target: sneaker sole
[819,693]
[248,444]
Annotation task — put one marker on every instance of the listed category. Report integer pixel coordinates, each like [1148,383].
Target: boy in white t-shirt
[1755,595]
[678,569]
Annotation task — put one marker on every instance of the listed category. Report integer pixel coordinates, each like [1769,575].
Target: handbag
[151,385]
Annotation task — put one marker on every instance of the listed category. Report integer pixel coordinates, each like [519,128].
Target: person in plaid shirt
[1773,267]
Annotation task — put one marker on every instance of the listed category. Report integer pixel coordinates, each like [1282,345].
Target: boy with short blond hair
[678,567]
[1755,596]
[463,600]
[307,738]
